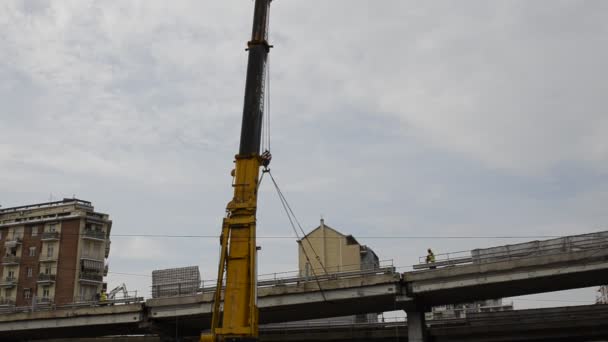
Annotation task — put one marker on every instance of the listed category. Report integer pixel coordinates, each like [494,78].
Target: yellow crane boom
[238,321]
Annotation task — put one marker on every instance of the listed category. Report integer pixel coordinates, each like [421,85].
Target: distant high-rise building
[52,253]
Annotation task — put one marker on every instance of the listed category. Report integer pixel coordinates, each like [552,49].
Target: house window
[32,251]
[11,274]
[47,270]
[34,231]
[50,251]
[29,272]
[52,227]
[27,293]
[97,249]
[45,292]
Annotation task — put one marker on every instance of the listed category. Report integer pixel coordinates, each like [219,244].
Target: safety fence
[47,303]
[185,288]
[567,244]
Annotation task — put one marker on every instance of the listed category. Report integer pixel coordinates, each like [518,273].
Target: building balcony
[44,278]
[6,302]
[8,282]
[91,265]
[94,234]
[12,242]
[45,258]
[49,236]
[91,277]
[44,300]
[11,260]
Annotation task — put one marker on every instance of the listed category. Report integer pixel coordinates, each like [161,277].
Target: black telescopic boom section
[253,111]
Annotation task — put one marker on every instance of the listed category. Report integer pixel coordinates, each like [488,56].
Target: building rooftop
[45,205]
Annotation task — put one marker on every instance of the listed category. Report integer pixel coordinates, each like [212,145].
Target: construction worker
[103,298]
[430,258]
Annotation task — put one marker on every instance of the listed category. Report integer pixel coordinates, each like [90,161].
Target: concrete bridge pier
[416,326]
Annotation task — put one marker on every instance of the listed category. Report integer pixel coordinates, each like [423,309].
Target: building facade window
[53,227]
[27,293]
[50,249]
[32,251]
[34,231]
[29,272]
[47,270]
[45,292]
[11,274]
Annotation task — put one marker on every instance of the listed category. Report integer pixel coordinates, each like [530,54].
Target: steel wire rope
[298,222]
[288,210]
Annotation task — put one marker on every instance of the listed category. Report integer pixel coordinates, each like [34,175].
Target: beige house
[326,250]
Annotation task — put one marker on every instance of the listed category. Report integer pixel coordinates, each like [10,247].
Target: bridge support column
[416,326]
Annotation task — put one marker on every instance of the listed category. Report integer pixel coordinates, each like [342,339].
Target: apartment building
[52,253]
[330,251]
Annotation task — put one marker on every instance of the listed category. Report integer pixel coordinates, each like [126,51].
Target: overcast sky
[389,118]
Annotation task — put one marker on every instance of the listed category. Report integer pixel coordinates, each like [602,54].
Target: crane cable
[292,217]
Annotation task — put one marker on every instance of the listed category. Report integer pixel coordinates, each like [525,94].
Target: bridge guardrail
[271,279]
[333,324]
[567,244]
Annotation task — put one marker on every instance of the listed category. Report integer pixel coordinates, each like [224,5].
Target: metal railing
[91,276]
[94,234]
[6,301]
[46,236]
[286,278]
[46,258]
[183,288]
[8,281]
[333,323]
[43,277]
[44,300]
[46,205]
[10,259]
[567,244]
[131,298]
[47,303]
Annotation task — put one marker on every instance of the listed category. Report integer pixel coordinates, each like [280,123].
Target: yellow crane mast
[238,321]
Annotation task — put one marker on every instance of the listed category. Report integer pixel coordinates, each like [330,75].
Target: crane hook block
[265,158]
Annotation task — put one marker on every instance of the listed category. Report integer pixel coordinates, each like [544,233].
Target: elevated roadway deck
[572,324]
[282,300]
